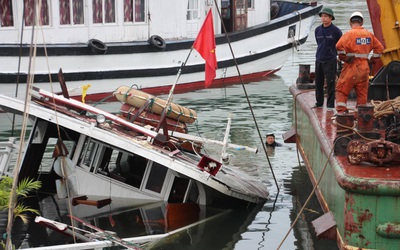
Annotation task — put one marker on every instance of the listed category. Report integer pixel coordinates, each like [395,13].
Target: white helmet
[358,14]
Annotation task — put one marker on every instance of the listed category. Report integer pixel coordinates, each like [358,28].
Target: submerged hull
[259,50]
[363,197]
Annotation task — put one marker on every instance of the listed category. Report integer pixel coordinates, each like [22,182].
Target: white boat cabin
[97,167]
[77,21]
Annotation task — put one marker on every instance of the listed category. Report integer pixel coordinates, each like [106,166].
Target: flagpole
[178,75]
[171,91]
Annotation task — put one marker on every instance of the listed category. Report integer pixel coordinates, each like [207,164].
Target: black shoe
[317,106]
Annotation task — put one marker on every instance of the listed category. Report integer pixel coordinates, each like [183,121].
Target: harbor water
[269,226]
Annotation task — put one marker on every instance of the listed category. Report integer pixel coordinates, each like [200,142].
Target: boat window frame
[71,15]
[189,187]
[95,160]
[13,10]
[49,12]
[195,8]
[145,10]
[103,16]
[250,5]
[82,159]
[167,183]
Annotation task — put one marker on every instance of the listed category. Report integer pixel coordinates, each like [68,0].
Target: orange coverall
[357,43]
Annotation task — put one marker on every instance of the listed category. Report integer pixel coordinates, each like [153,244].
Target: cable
[247,97]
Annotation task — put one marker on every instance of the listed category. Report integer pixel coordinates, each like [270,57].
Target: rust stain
[390,229]
[349,224]
[355,219]
[349,200]
[363,217]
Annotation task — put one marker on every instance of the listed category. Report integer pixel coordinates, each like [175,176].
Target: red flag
[205,45]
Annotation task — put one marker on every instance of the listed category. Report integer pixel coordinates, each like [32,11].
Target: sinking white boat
[113,44]
[82,152]
[95,163]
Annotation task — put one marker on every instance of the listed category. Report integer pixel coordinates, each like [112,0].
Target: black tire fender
[97,46]
[157,42]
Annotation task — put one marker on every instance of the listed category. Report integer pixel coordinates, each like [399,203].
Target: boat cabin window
[103,11]
[192,10]
[89,153]
[134,11]
[130,167]
[7,16]
[156,177]
[44,18]
[71,12]
[250,4]
[99,158]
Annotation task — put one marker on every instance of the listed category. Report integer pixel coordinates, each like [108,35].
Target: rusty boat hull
[365,197]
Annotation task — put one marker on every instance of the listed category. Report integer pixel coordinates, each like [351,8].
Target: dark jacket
[327,38]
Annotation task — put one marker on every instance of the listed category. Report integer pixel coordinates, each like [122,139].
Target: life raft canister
[97,46]
[139,98]
[157,43]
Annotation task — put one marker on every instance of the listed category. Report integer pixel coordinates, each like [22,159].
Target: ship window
[117,164]
[71,10]
[134,11]
[178,190]
[89,153]
[192,10]
[105,160]
[6,13]
[103,11]
[156,178]
[130,167]
[250,4]
[44,15]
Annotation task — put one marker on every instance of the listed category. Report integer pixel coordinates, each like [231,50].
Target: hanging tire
[157,43]
[97,46]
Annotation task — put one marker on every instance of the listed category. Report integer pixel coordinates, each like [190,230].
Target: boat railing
[7,150]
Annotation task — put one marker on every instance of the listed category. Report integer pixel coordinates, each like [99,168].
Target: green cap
[327,11]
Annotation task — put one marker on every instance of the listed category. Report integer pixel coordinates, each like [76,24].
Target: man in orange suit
[354,48]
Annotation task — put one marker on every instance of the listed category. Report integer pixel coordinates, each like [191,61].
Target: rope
[385,108]
[345,127]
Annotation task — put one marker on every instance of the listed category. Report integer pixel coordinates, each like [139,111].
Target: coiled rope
[385,108]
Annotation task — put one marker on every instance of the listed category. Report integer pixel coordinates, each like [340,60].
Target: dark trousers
[325,71]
